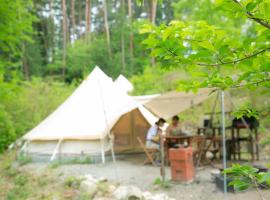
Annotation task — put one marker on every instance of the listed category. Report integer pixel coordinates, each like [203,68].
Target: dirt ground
[130,170]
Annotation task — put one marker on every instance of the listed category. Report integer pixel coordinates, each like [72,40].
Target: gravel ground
[130,170]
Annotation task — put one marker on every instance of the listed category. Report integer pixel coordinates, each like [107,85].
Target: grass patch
[23,159]
[84,160]
[158,182]
[73,182]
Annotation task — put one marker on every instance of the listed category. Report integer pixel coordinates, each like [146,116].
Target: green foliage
[20,190]
[213,56]
[27,103]
[72,182]
[246,110]
[6,129]
[15,28]
[166,184]
[146,83]
[245,177]
[23,159]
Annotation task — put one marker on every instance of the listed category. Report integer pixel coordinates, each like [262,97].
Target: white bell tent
[82,124]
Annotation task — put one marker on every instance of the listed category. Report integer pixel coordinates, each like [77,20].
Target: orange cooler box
[182,168]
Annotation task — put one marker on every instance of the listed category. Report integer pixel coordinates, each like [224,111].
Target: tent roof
[172,103]
[123,84]
[89,113]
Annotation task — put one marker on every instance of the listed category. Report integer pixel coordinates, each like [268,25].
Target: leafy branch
[252,17]
[245,177]
[229,62]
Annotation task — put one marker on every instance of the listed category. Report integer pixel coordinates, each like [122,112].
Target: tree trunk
[88,20]
[51,30]
[64,27]
[73,20]
[106,27]
[131,36]
[25,65]
[80,17]
[153,11]
[152,19]
[122,35]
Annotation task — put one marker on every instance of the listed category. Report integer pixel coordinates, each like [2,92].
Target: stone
[111,188]
[103,198]
[160,197]
[102,179]
[127,192]
[90,177]
[88,188]
[147,195]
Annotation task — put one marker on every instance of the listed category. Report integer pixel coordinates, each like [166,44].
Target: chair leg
[149,158]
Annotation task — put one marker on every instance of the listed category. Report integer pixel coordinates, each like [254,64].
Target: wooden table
[178,139]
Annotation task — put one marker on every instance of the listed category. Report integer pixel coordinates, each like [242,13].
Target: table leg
[252,147]
[233,145]
[257,144]
[238,144]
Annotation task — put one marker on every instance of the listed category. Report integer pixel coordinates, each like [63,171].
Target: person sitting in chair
[153,134]
[174,129]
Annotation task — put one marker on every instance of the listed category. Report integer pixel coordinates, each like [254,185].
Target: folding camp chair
[148,152]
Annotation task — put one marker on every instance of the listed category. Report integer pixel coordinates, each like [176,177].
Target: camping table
[178,139]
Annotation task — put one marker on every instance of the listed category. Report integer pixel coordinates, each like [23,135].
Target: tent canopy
[172,103]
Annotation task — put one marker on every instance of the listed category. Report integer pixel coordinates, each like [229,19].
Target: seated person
[174,129]
[153,134]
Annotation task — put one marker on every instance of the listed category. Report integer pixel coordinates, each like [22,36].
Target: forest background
[48,46]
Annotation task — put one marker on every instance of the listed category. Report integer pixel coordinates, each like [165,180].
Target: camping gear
[181,161]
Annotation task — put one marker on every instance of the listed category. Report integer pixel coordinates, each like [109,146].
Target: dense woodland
[48,46]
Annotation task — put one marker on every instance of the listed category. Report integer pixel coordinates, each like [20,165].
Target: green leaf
[240,185]
[265,177]
[207,45]
[251,6]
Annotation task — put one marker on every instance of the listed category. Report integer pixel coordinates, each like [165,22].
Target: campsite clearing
[130,171]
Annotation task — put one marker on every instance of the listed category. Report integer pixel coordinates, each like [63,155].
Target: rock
[103,198]
[160,197]
[88,188]
[111,188]
[90,177]
[127,192]
[102,179]
[147,195]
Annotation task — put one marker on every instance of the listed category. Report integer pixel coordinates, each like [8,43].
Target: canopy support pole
[56,149]
[223,142]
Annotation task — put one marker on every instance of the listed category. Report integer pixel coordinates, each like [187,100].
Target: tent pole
[223,141]
[24,146]
[102,151]
[111,137]
[56,150]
